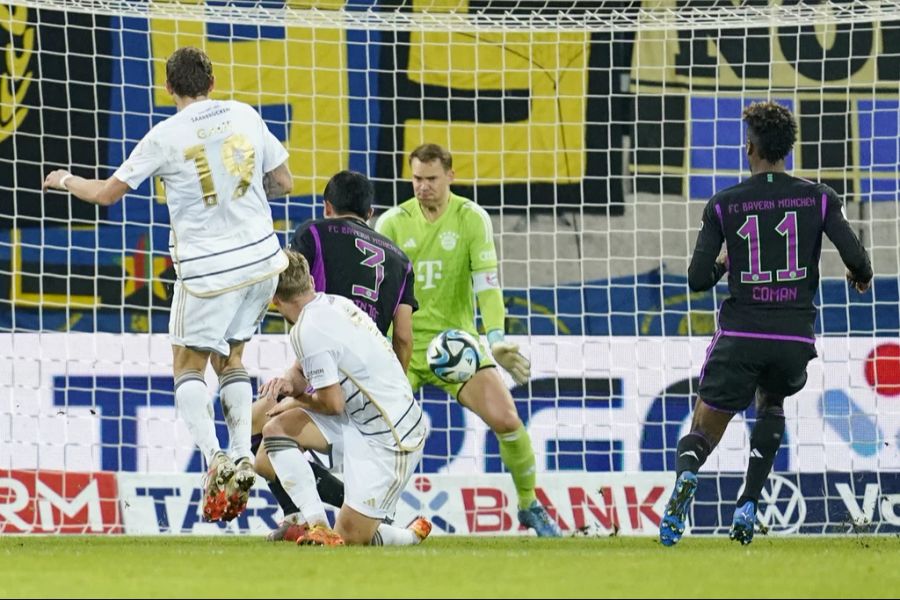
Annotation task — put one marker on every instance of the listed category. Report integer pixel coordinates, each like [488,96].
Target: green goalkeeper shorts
[420,374]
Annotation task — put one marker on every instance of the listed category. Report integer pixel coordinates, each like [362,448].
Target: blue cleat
[671,528]
[536,517]
[743,523]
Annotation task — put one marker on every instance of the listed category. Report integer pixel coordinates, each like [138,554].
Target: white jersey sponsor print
[211,157]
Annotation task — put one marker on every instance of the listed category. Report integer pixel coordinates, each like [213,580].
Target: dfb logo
[785,508]
[423,486]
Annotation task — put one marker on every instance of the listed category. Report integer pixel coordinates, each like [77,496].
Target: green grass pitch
[244,567]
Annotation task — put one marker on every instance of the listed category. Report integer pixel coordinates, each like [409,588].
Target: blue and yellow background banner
[537,120]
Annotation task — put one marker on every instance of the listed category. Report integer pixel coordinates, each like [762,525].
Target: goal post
[592,132]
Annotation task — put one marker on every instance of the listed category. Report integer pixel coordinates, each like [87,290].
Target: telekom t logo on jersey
[428,272]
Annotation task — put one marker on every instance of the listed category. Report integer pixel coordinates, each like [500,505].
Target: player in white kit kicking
[219,164]
[359,398]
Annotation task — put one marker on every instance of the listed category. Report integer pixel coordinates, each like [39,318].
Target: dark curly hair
[189,72]
[772,129]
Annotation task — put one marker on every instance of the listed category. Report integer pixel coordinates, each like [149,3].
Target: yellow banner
[808,58]
[305,71]
[548,69]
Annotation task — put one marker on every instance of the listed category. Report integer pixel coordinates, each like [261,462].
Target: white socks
[236,395]
[296,477]
[192,402]
[388,535]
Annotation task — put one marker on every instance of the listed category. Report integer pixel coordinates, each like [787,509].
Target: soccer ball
[453,356]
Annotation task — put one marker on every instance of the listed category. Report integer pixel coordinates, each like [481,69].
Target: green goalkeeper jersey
[445,255]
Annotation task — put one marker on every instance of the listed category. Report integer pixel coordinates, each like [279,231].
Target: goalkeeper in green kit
[450,241]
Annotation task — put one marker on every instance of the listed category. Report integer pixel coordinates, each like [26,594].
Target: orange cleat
[214,506]
[288,531]
[237,489]
[215,503]
[421,527]
[320,535]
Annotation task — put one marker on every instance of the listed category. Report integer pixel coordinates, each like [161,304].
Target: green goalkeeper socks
[518,456]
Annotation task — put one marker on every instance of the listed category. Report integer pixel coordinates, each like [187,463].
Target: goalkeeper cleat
[421,527]
[671,528]
[221,471]
[287,531]
[536,517]
[743,523]
[237,490]
[320,535]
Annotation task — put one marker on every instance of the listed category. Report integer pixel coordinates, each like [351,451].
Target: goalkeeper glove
[507,356]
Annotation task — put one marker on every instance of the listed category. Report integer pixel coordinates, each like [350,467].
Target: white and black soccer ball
[453,356]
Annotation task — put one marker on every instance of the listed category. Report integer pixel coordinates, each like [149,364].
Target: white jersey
[212,156]
[336,342]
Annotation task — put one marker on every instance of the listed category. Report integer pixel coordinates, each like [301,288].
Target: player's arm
[278,182]
[315,402]
[483,265]
[490,303]
[401,334]
[486,283]
[493,314]
[103,192]
[324,401]
[385,225]
[319,358]
[853,253]
[277,179]
[328,400]
[296,382]
[401,326]
[708,262]
[292,383]
[144,161]
[303,242]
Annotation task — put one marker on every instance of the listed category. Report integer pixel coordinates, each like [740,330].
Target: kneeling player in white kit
[361,399]
[219,163]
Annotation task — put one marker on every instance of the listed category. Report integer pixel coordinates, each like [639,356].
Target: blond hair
[295,280]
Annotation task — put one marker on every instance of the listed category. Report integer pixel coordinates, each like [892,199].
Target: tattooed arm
[278,181]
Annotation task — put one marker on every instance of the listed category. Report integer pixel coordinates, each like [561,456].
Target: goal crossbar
[499,18]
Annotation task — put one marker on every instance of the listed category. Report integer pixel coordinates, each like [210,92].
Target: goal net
[592,132]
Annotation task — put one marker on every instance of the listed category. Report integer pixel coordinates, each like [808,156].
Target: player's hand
[283,406]
[860,286]
[507,356]
[54,180]
[723,256]
[274,388]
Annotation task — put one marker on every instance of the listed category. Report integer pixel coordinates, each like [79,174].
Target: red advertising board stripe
[58,502]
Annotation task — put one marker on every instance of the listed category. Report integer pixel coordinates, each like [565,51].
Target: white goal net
[592,132]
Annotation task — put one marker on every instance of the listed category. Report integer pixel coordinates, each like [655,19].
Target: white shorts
[374,476]
[332,430]
[211,323]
